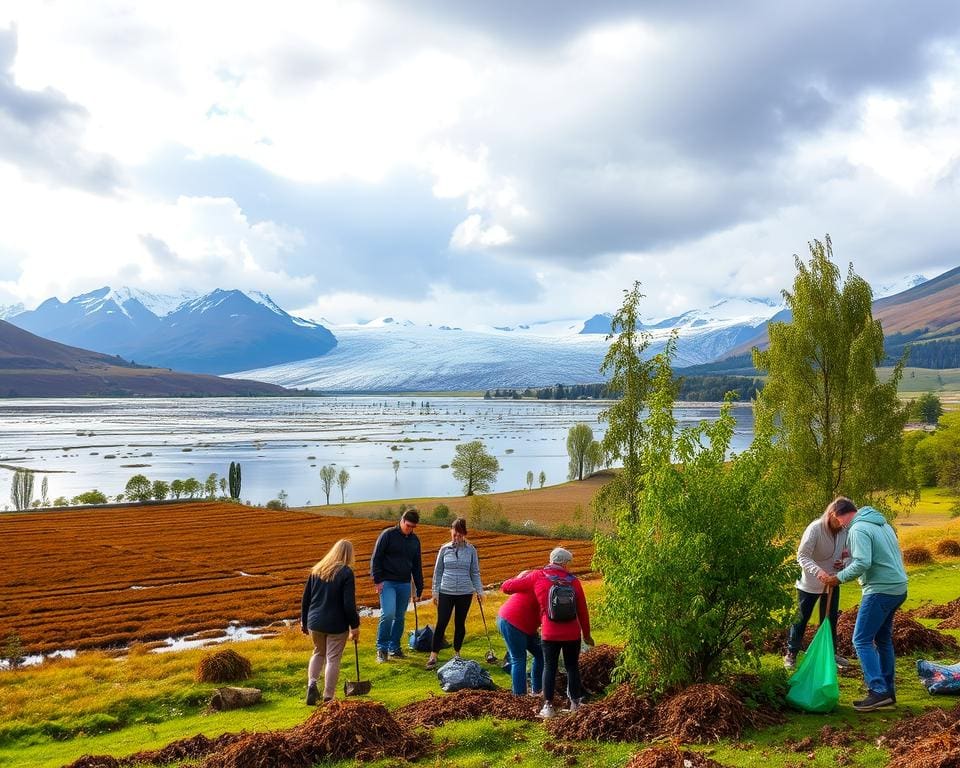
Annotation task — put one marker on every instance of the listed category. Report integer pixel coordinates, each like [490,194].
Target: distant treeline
[944,353]
[690,388]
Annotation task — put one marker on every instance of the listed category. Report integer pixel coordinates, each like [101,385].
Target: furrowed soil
[98,578]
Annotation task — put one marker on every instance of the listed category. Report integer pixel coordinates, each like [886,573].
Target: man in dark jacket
[395,560]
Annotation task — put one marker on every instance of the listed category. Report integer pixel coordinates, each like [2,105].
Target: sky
[474,163]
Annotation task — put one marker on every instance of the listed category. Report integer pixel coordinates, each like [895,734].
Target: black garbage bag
[421,639]
[460,673]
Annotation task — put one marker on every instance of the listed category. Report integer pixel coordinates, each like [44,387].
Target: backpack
[562,599]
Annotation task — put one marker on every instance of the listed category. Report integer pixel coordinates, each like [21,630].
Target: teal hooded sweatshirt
[875,555]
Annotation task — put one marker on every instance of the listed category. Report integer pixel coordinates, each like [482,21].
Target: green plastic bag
[814,687]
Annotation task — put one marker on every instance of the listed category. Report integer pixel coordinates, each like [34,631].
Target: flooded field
[80,444]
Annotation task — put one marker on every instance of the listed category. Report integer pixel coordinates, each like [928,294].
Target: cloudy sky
[490,162]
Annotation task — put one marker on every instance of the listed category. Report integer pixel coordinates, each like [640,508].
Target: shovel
[491,657]
[356,687]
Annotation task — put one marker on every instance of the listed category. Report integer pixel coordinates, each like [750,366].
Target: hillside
[31,366]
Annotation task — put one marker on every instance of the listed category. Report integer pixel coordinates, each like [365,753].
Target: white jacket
[818,551]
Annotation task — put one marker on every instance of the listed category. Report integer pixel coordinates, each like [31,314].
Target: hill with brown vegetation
[31,366]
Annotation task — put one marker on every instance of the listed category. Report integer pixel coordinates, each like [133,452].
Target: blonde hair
[839,506]
[340,554]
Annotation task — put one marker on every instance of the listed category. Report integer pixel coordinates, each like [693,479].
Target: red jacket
[538,583]
[521,609]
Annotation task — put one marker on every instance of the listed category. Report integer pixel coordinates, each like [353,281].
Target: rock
[230,697]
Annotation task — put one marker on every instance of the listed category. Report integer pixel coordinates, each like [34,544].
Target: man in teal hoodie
[878,564]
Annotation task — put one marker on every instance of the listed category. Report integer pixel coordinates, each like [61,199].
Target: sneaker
[313,695]
[431,663]
[547,711]
[790,660]
[842,662]
[381,656]
[398,654]
[535,694]
[872,701]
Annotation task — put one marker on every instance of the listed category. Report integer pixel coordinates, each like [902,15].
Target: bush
[223,667]
[275,504]
[441,515]
[948,548]
[917,556]
[487,515]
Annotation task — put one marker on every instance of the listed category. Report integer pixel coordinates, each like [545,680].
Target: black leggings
[571,661]
[458,605]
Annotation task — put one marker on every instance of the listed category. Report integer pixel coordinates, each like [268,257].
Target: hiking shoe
[398,654]
[313,695]
[872,701]
[381,656]
[790,660]
[547,711]
[841,661]
[431,663]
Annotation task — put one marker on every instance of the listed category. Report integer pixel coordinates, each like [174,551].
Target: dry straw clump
[223,667]
[917,556]
[948,548]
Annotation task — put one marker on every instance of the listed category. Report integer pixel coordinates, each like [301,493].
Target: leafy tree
[91,497]
[595,457]
[396,468]
[919,455]
[343,477]
[328,476]
[475,468]
[21,490]
[61,501]
[176,488]
[926,408]
[841,429]
[210,486]
[191,487]
[630,375]
[14,652]
[235,479]
[161,489]
[944,445]
[138,488]
[529,479]
[222,482]
[542,478]
[578,444]
[44,491]
[699,564]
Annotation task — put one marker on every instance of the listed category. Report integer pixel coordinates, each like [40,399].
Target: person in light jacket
[456,577]
[877,562]
[823,549]
[328,613]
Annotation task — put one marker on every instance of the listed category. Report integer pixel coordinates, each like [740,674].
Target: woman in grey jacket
[456,577]
[823,549]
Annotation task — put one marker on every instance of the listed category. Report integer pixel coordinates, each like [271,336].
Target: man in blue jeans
[395,560]
[877,562]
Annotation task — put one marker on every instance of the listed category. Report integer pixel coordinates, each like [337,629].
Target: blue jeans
[519,643]
[873,640]
[393,611]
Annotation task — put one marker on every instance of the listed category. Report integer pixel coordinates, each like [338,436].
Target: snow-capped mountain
[218,332]
[899,286]
[11,310]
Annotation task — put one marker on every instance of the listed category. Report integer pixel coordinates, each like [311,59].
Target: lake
[281,443]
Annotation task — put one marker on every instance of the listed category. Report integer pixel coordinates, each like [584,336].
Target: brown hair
[460,526]
[839,506]
[411,516]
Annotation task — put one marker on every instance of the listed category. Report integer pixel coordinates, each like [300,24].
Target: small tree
[594,459]
[91,497]
[138,488]
[234,479]
[343,477]
[529,479]
[222,482]
[191,487]
[161,489]
[475,468]
[44,491]
[21,490]
[396,468]
[328,476]
[543,478]
[578,443]
[926,408]
[210,486]
[13,651]
[176,488]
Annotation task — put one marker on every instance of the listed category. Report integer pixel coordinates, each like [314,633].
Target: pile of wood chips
[702,713]
[596,667]
[670,756]
[464,705]
[95,761]
[621,716]
[909,636]
[223,666]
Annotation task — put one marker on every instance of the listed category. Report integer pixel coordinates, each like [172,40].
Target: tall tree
[529,479]
[841,429]
[578,444]
[160,489]
[44,491]
[210,486]
[138,488]
[474,467]
[396,468]
[328,476]
[233,475]
[21,490]
[191,487]
[631,376]
[343,477]
[543,478]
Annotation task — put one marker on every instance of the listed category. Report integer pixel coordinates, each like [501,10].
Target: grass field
[100,704]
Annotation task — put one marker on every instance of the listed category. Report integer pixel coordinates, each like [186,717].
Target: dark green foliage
[926,409]
[441,515]
[90,497]
[713,389]
[161,489]
[475,468]
[138,488]
[234,479]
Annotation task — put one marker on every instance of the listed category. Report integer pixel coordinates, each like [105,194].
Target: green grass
[95,704]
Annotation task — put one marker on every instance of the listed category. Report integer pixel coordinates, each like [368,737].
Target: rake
[491,657]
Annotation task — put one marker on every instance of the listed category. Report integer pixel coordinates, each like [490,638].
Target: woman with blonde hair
[328,613]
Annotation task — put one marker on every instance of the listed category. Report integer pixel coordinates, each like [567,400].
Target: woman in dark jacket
[328,610]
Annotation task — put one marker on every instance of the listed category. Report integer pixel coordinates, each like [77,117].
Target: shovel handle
[356,658]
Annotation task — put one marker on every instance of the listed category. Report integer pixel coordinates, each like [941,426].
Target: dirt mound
[192,748]
[670,757]
[948,548]
[909,636]
[621,716]
[467,704]
[596,666]
[261,750]
[918,555]
[903,734]
[944,611]
[94,761]
[703,713]
[361,729]
[223,667]
[939,751]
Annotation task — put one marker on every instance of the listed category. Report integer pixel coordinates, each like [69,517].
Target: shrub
[223,667]
[275,504]
[441,514]
[918,555]
[948,548]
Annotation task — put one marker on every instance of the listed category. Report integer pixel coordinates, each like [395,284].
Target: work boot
[841,661]
[313,695]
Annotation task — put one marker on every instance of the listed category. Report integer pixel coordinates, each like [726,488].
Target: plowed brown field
[96,578]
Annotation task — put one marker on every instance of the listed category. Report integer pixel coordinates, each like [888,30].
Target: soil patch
[904,734]
[671,757]
[465,705]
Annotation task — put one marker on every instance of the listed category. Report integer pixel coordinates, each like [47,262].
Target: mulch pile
[670,757]
[621,716]
[596,667]
[948,548]
[94,761]
[465,705]
[703,713]
[261,750]
[829,736]
[223,667]
[192,748]
[905,733]
[918,555]
[909,635]
[930,740]
[944,611]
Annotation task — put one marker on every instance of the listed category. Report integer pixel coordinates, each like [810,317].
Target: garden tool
[491,657]
[356,687]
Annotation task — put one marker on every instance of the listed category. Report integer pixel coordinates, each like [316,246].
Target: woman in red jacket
[559,594]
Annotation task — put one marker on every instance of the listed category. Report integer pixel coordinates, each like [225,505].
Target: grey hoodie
[875,555]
